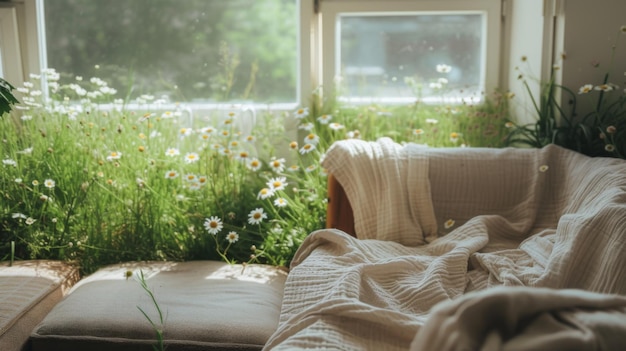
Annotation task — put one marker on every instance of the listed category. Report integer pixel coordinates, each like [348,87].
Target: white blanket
[540,218]
[522,319]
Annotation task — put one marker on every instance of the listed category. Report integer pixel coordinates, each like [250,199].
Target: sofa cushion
[28,291]
[207,305]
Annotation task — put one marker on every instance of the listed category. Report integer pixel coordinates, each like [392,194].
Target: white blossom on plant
[311,138]
[280,202]
[242,156]
[306,148]
[301,113]
[324,119]
[256,216]
[191,157]
[265,193]
[336,126]
[232,237]
[454,137]
[213,225]
[184,132]
[202,180]
[254,164]
[605,87]
[278,183]
[171,174]
[49,183]
[277,164]
[114,155]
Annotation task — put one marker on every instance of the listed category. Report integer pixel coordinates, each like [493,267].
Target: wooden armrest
[339,213]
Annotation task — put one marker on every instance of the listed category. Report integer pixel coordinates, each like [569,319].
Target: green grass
[112,199]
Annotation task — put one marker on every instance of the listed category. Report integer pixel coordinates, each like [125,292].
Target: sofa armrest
[339,213]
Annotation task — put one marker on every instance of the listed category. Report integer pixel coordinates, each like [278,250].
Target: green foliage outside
[178,48]
[85,179]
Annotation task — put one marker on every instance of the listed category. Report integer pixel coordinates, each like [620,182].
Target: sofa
[461,249]
[425,249]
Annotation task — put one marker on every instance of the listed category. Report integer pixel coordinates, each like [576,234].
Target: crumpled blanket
[523,319]
[548,218]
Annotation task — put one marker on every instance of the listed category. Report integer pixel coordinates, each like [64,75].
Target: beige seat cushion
[207,305]
[28,291]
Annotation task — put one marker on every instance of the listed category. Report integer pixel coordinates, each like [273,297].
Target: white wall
[590,29]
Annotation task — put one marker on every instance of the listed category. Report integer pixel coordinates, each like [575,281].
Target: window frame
[330,10]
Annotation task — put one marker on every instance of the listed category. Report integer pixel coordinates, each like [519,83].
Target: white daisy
[324,119]
[311,138]
[280,202]
[114,155]
[336,126]
[213,225]
[277,164]
[191,157]
[49,183]
[254,164]
[307,148]
[301,113]
[256,216]
[171,174]
[232,237]
[265,193]
[184,132]
[278,183]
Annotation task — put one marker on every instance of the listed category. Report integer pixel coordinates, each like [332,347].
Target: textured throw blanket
[522,319]
[505,218]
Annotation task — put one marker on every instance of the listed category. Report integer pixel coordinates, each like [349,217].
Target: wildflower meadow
[90,178]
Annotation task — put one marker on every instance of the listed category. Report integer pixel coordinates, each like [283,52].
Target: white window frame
[329,11]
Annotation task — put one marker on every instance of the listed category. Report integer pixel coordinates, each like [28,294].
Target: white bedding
[560,223]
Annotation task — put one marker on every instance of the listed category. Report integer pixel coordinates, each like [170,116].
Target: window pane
[189,50]
[425,56]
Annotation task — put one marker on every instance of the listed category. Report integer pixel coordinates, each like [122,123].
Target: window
[271,51]
[194,51]
[399,51]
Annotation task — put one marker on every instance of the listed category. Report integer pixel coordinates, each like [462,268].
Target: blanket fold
[522,318]
[384,181]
